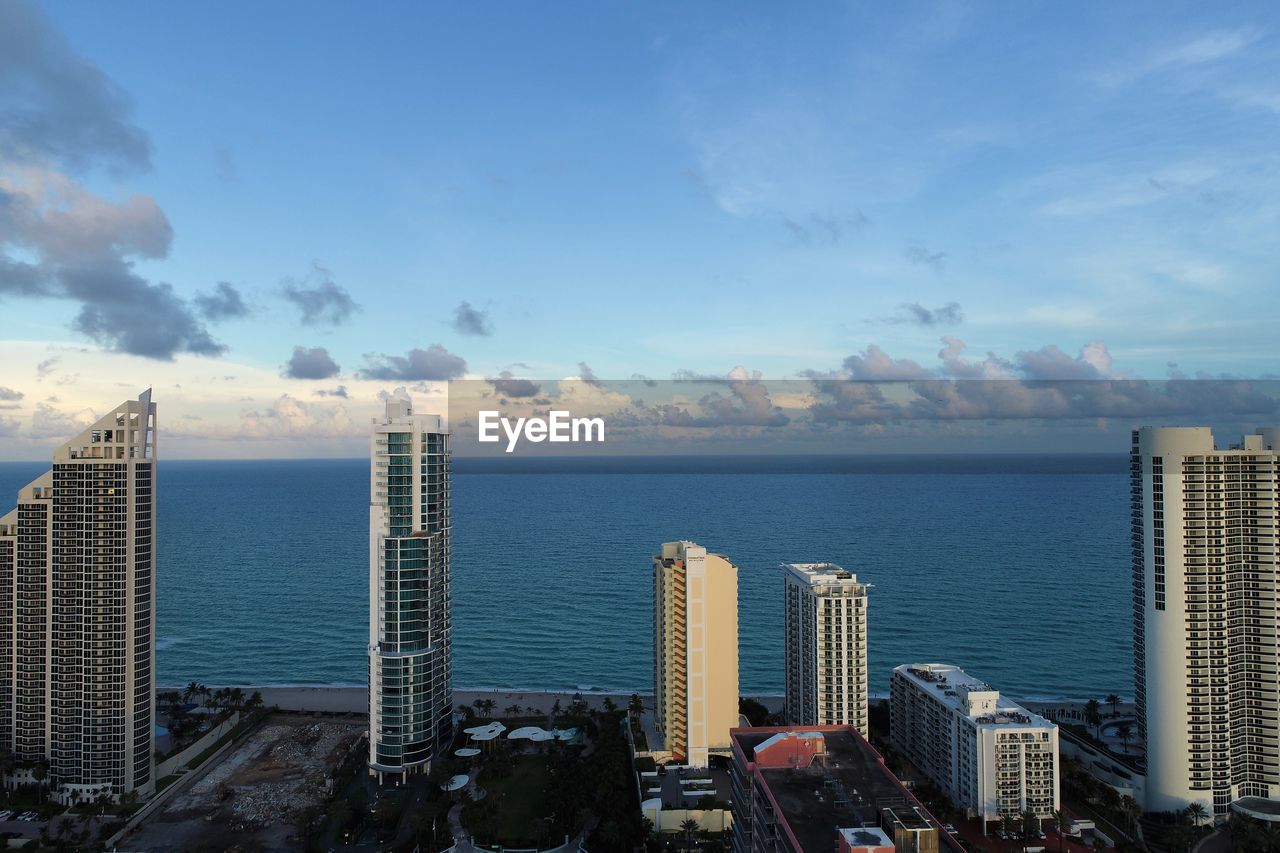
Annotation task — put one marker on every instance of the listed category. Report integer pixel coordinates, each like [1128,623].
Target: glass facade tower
[410,684]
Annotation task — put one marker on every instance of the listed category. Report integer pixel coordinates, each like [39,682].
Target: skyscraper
[77,608]
[410,674]
[991,757]
[695,639]
[1205,559]
[826,646]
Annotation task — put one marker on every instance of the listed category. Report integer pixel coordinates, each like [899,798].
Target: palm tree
[1009,824]
[688,826]
[1092,715]
[1114,701]
[1131,810]
[192,690]
[1060,822]
[1124,731]
[514,710]
[1197,813]
[635,704]
[1030,826]
[479,703]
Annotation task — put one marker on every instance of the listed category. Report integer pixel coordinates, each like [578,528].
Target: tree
[192,690]
[1114,701]
[1132,811]
[1009,824]
[1196,813]
[1030,826]
[756,713]
[609,705]
[1061,823]
[688,826]
[1092,715]
[514,710]
[1125,731]
[635,704]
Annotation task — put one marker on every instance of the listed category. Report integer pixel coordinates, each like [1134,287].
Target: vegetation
[756,713]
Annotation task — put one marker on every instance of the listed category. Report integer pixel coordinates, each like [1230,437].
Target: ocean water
[1015,568]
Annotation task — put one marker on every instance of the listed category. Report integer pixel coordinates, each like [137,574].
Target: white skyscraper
[826,646]
[992,757]
[410,676]
[77,611]
[1205,555]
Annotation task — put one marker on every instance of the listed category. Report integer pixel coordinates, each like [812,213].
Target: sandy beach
[355,700]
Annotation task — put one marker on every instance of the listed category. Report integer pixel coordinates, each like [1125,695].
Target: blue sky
[646,188]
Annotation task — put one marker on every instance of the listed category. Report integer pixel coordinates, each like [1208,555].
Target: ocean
[1016,568]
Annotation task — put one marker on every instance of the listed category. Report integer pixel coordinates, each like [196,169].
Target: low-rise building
[990,756]
[823,788]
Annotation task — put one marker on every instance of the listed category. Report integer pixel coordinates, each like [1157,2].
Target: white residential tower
[1205,556]
[826,646]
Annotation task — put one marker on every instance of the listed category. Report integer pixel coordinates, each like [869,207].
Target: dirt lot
[249,799]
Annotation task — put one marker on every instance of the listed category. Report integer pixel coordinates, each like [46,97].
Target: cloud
[58,239]
[434,363]
[587,375]
[1050,362]
[319,298]
[340,391]
[922,256]
[9,395]
[125,313]
[1201,49]
[289,417]
[44,368]
[471,321]
[509,386]
[823,230]
[913,312]
[875,363]
[225,303]
[61,108]
[314,363]
[49,422]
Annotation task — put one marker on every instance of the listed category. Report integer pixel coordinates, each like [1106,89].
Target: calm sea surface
[1015,568]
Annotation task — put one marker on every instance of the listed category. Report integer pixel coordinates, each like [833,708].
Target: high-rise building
[77,611]
[991,757]
[410,675]
[826,646]
[1205,562]
[695,650]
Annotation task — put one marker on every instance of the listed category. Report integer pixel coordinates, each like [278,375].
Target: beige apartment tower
[695,651]
[1205,562]
[77,610]
[826,646]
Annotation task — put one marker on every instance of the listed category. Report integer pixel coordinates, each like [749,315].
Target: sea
[1014,567]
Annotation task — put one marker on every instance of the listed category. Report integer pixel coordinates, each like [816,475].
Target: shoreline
[354,698]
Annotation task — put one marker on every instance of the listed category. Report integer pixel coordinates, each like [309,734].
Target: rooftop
[848,788]
[820,573]
[969,696]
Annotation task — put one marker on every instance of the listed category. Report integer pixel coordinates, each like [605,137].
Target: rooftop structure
[808,789]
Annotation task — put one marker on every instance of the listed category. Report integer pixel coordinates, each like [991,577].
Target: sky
[274,214]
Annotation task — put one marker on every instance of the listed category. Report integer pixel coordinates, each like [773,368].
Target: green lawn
[520,798]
